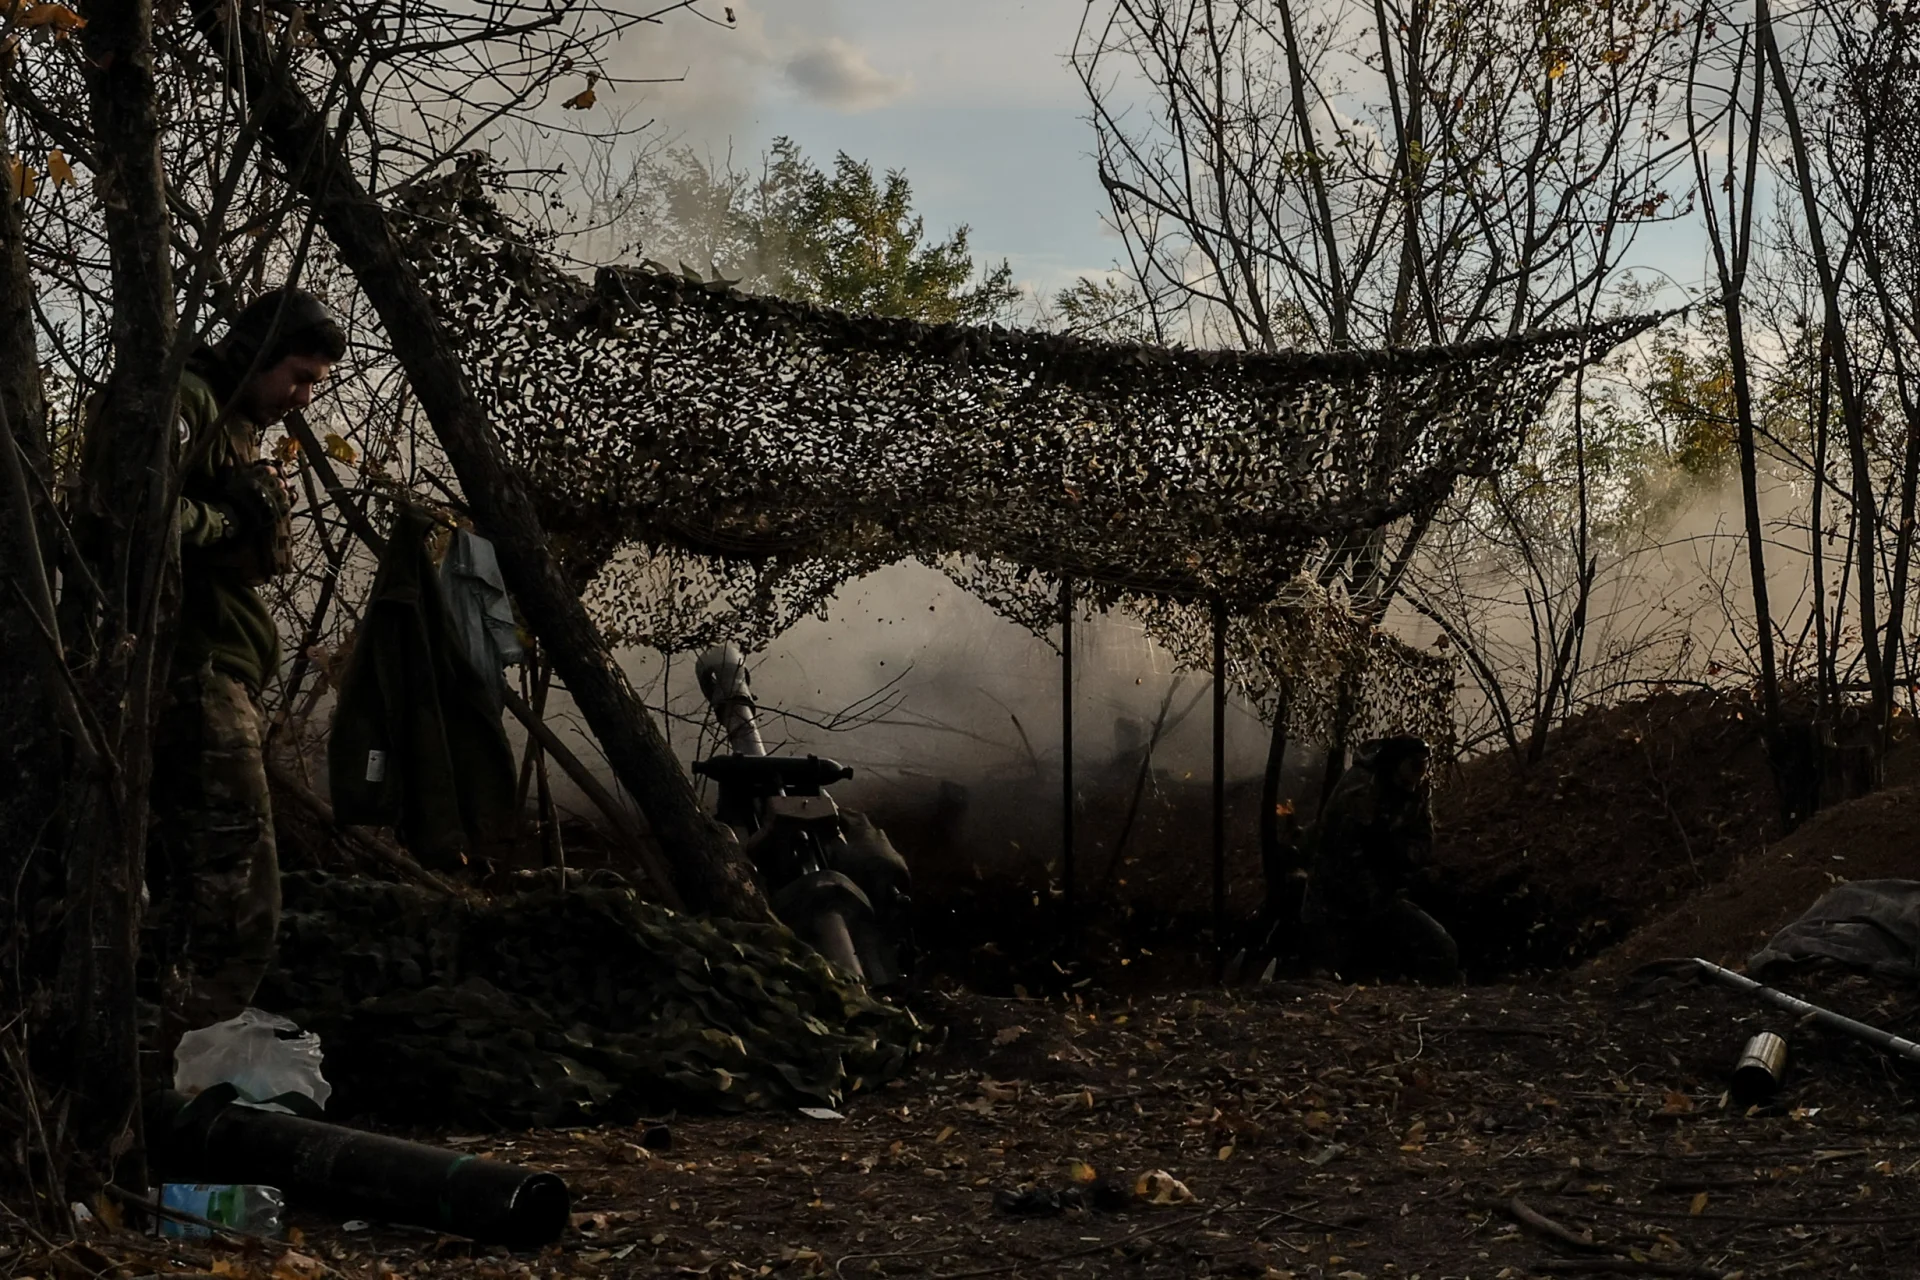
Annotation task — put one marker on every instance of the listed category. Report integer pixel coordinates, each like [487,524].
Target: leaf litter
[1463,1152]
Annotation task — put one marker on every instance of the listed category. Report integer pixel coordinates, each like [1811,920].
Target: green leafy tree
[848,238]
[1110,308]
[1689,399]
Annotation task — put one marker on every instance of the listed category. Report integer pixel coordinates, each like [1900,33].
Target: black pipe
[209,1138]
[1219,789]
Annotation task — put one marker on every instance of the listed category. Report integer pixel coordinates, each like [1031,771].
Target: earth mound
[1631,809]
[1874,837]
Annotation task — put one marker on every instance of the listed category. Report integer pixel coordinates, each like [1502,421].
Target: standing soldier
[212,871]
[1377,826]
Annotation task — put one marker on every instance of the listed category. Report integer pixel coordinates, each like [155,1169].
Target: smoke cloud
[838,75]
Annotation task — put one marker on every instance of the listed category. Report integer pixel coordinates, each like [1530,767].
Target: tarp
[1868,924]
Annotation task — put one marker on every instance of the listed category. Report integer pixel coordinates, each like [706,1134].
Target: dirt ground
[1561,1125]
[1324,1131]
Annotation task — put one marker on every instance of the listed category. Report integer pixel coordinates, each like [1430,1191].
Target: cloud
[837,74]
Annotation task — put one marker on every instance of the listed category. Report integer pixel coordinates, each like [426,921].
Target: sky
[973,100]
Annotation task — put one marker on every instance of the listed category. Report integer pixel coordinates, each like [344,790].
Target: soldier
[1377,826]
[212,872]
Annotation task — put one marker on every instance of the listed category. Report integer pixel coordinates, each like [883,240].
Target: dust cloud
[950,715]
[911,679]
[1676,606]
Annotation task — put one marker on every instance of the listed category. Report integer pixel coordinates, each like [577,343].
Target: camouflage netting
[546,1008]
[1308,638]
[722,463]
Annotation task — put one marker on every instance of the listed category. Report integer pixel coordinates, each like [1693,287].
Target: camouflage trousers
[212,872]
[1401,941]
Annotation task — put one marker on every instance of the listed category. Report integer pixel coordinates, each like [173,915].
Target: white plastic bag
[261,1054]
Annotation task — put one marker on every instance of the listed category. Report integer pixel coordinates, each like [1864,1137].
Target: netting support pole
[1219,787]
[1068,899]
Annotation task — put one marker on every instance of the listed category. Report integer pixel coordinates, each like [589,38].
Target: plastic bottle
[242,1206]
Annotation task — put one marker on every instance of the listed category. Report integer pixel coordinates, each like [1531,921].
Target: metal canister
[1758,1073]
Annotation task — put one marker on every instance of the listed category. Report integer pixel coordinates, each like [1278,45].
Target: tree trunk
[1852,397]
[129,492]
[29,754]
[710,873]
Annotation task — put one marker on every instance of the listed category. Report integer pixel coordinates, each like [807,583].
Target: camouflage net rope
[717,464]
[545,1008]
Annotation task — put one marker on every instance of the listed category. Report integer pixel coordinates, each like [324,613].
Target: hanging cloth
[482,617]
[416,742]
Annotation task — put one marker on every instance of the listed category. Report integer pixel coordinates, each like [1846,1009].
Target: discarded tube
[369,1175]
[1886,1041]
[1757,1074]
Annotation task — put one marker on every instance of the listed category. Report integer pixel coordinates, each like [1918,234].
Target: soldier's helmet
[1386,756]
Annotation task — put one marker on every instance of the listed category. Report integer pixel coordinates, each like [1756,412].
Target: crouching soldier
[1376,828]
[212,872]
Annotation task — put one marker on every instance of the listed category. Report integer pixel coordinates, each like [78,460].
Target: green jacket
[222,618]
[416,741]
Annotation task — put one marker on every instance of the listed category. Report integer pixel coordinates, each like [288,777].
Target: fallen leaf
[1080,1171]
[293,1265]
[1161,1188]
[1699,1205]
[1007,1035]
[340,449]
[999,1092]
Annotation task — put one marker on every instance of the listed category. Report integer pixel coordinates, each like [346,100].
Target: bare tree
[1392,173]
[153,192]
